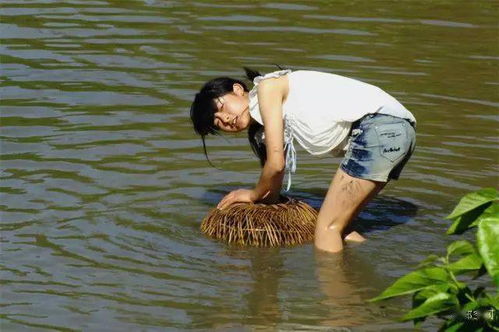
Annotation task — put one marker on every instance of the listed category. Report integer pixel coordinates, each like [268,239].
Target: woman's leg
[345,198]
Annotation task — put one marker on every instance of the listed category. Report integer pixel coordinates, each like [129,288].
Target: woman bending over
[324,113]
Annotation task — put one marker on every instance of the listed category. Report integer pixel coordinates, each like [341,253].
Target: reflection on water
[103,183]
[346,282]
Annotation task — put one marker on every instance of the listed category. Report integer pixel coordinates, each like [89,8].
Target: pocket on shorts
[392,140]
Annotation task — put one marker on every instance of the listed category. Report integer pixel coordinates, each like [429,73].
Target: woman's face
[233,110]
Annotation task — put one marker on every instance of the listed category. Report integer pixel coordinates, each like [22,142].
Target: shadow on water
[382,213]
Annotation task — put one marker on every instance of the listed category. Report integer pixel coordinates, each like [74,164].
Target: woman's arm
[271,93]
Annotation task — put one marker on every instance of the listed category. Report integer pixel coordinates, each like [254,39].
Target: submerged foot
[354,237]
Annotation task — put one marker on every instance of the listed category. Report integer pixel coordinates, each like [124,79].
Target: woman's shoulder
[274,86]
[287,74]
[273,75]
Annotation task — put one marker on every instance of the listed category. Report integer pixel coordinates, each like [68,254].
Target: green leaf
[421,296]
[469,263]
[466,220]
[493,300]
[437,303]
[452,326]
[469,306]
[473,200]
[484,300]
[488,245]
[428,261]
[461,247]
[490,211]
[413,282]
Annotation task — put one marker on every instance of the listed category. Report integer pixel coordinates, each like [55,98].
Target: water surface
[104,184]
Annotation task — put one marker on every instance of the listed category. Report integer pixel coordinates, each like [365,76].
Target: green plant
[435,287]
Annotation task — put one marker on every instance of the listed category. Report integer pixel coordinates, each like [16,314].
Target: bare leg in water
[345,198]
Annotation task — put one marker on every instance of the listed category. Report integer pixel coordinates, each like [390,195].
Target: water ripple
[103,183]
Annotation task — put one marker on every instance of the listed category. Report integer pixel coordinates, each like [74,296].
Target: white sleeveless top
[320,108]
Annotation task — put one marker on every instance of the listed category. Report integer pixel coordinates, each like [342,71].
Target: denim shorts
[379,147]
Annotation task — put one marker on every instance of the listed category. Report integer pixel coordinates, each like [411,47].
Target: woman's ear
[238,89]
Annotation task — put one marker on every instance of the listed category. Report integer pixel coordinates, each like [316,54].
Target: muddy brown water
[104,184]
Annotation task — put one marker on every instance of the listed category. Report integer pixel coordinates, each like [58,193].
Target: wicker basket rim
[262,230]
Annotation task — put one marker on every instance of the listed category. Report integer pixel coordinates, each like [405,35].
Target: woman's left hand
[239,195]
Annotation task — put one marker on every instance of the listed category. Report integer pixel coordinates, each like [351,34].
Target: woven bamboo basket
[290,222]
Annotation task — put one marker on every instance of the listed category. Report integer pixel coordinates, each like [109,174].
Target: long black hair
[203,111]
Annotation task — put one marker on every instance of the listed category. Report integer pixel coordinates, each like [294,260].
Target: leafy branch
[435,287]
